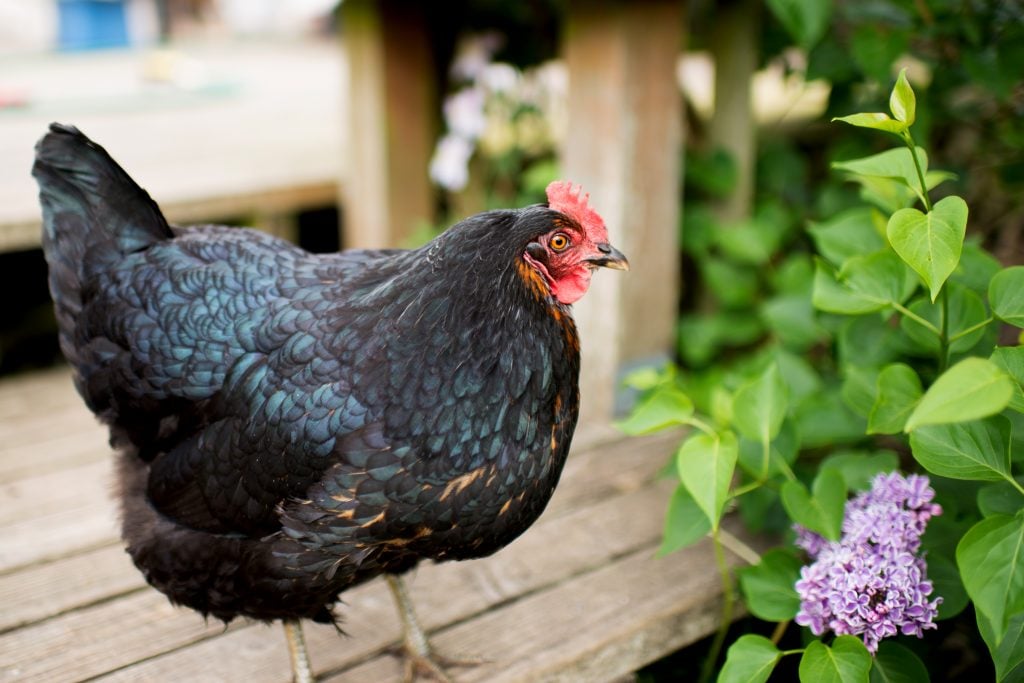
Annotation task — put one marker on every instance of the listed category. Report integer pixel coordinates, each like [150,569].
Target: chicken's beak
[610,257]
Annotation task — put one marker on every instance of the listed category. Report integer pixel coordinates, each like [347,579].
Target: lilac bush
[872,583]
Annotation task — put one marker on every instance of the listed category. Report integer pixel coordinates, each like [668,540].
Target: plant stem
[944,333]
[780,630]
[728,601]
[799,650]
[963,333]
[916,318]
[738,547]
[917,165]
[701,425]
[1016,484]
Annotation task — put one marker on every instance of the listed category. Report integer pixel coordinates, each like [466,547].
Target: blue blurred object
[92,24]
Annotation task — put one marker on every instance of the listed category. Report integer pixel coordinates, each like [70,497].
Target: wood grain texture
[579,597]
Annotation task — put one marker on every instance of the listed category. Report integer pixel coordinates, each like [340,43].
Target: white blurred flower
[464,113]
[449,166]
[474,53]
[499,77]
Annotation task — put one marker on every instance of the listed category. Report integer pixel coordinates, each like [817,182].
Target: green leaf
[759,407]
[860,388]
[893,164]
[735,286]
[832,297]
[865,284]
[750,659]
[977,450]
[902,102]
[825,420]
[1011,359]
[782,452]
[1000,499]
[1006,295]
[874,120]
[847,234]
[878,277]
[847,661]
[761,510]
[768,586]
[930,243]
[966,312]
[977,268]
[948,585]
[1008,654]
[971,389]
[822,512]
[791,318]
[858,468]
[805,21]
[706,464]
[894,663]
[666,406]
[685,522]
[991,561]
[898,391]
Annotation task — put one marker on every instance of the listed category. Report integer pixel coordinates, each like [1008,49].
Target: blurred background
[367,123]
[701,129]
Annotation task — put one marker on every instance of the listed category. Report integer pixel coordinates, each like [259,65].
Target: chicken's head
[567,255]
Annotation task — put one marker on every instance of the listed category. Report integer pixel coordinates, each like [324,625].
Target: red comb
[572,201]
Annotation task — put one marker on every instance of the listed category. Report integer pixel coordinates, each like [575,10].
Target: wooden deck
[579,597]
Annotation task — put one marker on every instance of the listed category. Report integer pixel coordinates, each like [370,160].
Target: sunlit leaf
[1006,295]
[874,120]
[902,102]
[750,659]
[971,389]
[685,522]
[822,509]
[847,661]
[706,464]
[759,407]
[665,407]
[978,450]
[930,243]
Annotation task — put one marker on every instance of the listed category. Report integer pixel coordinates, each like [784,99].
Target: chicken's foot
[420,657]
[302,672]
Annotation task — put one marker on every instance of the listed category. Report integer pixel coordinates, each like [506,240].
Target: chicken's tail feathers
[93,213]
[85,194]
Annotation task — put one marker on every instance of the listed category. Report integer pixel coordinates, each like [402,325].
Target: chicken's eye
[559,241]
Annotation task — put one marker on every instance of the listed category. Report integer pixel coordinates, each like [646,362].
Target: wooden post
[393,119]
[624,145]
[735,48]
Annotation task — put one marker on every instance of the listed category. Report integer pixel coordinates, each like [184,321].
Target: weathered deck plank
[577,598]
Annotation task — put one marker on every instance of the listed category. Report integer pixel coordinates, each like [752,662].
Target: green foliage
[820,510]
[930,243]
[896,664]
[991,561]
[812,371]
[847,661]
[705,463]
[768,586]
[751,659]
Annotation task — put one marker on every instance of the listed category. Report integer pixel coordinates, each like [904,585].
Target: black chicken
[294,424]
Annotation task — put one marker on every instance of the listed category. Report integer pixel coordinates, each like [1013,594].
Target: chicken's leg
[302,672]
[419,656]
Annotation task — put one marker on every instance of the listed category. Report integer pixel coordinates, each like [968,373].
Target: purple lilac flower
[872,583]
